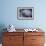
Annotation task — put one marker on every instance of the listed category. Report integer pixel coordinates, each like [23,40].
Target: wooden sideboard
[23,38]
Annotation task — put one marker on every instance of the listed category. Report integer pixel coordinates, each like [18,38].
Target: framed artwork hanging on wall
[25,13]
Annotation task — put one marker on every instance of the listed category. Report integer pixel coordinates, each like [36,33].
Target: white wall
[9,13]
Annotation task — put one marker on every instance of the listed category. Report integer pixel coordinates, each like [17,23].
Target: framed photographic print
[25,13]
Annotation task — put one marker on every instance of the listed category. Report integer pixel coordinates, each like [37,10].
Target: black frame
[21,10]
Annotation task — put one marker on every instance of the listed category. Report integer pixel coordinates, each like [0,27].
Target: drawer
[34,33]
[20,44]
[12,39]
[27,37]
[37,39]
[37,44]
[13,33]
[14,42]
[27,41]
[8,45]
[33,39]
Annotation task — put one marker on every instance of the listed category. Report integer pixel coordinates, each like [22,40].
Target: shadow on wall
[2,26]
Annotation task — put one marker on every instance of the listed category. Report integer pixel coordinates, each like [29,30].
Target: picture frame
[25,13]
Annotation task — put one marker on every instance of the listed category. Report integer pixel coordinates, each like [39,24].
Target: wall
[8,13]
